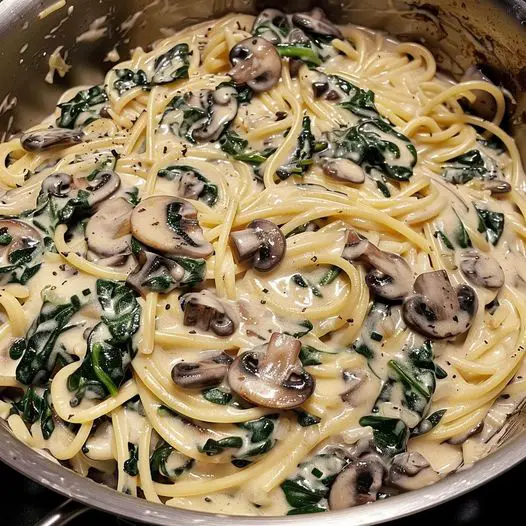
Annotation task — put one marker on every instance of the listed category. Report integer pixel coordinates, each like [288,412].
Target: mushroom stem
[52,138]
[206,373]
[391,277]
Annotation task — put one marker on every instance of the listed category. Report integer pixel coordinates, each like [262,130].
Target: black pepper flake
[54,273]
[265,291]
[208,499]
[167,306]
[314,259]
[350,320]
[263,302]
[192,332]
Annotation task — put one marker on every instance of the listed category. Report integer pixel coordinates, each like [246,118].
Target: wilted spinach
[172,65]
[160,465]
[188,176]
[490,223]
[131,465]
[86,104]
[470,165]
[390,434]
[128,79]
[110,350]
[33,407]
[38,350]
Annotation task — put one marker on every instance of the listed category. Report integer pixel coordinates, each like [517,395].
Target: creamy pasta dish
[270,266]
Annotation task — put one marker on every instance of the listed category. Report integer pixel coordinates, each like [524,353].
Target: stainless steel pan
[460,33]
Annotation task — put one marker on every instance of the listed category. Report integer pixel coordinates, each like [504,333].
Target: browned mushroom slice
[359,483]
[482,270]
[354,381]
[207,312]
[170,225]
[496,186]
[411,471]
[57,184]
[344,170]
[42,140]
[16,235]
[108,233]
[256,64]
[391,277]
[206,373]
[316,22]
[437,309]
[263,242]
[273,378]
[155,273]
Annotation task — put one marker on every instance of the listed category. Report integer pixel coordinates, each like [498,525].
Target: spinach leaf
[331,274]
[470,165]
[299,496]
[83,108]
[131,465]
[307,325]
[390,434]
[301,157]
[371,334]
[215,447]
[427,424]
[133,196]
[40,352]
[302,282]
[310,355]
[5,237]
[172,65]
[306,419]
[110,351]
[244,93]
[261,429]
[75,209]
[217,396]
[33,407]
[128,79]
[190,183]
[304,52]
[440,234]
[360,102]
[306,509]
[162,469]
[370,143]
[237,147]
[492,223]
[190,116]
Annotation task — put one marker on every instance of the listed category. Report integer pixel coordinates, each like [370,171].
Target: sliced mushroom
[43,140]
[437,309]
[57,184]
[206,373]
[273,378]
[207,312]
[104,184]
[315,21]
[411,471]
[344,170]
[170,225]
[359,483]
[108,233]
[496,186]
[263,242]
[482,270]
[16,235]
[155,273]
[256,64]
[221,106]
[391,277]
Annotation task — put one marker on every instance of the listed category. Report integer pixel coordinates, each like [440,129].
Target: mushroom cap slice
[207,312]
[391,277]
[170,225]
[153,268]
[22,235]
[206,373]
[359,483]
[496,186]
[316,22]
[256,64]
[57,184]
[410,471]
[482,270]
[274,378]
[438,310]
[262,241]
[108,232]
[103,185]
[43,140]
[344,170]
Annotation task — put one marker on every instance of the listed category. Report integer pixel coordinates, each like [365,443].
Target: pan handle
[63,514]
